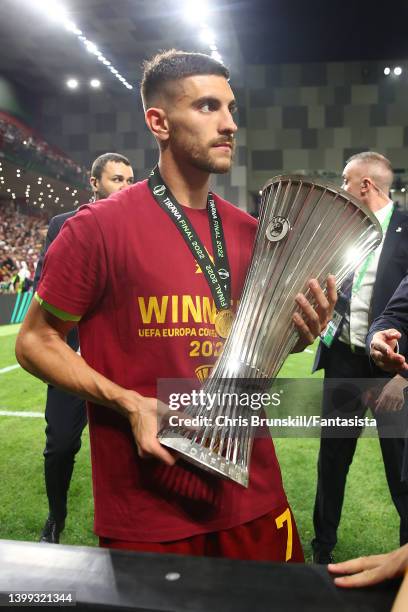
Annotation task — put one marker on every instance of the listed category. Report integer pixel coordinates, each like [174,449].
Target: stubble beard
[203,161]
[199,156]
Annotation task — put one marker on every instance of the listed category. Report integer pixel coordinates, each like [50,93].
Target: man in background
[65,413]
[368,176]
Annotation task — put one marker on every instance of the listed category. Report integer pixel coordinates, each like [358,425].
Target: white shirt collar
[384,211]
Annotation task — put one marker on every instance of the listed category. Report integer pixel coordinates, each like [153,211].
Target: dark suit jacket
[392,268]
[54,228]
[394,316]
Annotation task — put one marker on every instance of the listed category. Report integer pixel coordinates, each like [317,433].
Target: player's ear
[156,120]
[94,184]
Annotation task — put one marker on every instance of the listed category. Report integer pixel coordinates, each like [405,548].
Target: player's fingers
[323,305]
[331,290]
[362,579]
[153,449]
[305,335]
[309,315]
[356,565]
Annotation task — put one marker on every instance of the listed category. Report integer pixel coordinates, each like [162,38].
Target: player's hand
[391,398]
[382,351]
[313,320]
[366,571]
[146,416]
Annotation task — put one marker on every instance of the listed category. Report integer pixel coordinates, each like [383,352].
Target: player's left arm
[313,319]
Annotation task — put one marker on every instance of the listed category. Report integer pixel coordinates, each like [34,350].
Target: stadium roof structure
[37,52]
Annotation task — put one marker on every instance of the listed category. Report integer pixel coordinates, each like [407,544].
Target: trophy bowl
[307,229]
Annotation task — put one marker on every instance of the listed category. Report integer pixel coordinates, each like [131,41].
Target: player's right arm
[41,350]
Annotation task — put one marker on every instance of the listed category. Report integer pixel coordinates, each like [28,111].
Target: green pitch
[369,522]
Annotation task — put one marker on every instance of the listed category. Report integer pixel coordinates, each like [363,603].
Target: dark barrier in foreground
[102,579]
[13,307]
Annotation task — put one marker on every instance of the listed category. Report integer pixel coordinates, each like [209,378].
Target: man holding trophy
[144,282]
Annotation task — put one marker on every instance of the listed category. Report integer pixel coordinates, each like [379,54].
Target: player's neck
[189,186]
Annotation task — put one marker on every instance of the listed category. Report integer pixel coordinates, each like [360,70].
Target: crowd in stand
[21,235]
[21,241]
[30,150]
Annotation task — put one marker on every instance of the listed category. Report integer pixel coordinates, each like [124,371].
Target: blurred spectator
[21,240]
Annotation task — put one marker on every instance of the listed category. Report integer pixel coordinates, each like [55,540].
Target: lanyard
[218,275]
[364,267]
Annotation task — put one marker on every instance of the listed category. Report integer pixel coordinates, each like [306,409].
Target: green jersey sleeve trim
[60,314]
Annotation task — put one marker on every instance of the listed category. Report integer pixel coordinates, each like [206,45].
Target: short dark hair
[101,161]
[173,65]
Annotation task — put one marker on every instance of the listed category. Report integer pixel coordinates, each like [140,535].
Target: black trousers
[66,418]
[342,397]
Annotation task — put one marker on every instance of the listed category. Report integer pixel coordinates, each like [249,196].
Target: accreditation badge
[330,332]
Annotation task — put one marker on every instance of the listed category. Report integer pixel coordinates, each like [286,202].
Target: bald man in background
[368,176]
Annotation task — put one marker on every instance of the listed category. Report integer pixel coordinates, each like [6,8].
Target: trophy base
[206,459]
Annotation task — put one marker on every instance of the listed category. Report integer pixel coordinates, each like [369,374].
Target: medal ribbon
[218,276]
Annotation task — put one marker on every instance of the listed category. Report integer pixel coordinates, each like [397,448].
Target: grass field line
[9,368]
[9,330]
[18,413]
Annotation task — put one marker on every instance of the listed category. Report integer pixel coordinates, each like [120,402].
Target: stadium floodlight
[70,26]
[195,12]
[72,83]
[397,70]
[52,9]
[91,47]
[207,36]
[55,10]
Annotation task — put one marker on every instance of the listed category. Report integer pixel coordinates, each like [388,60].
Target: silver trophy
[307,229]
